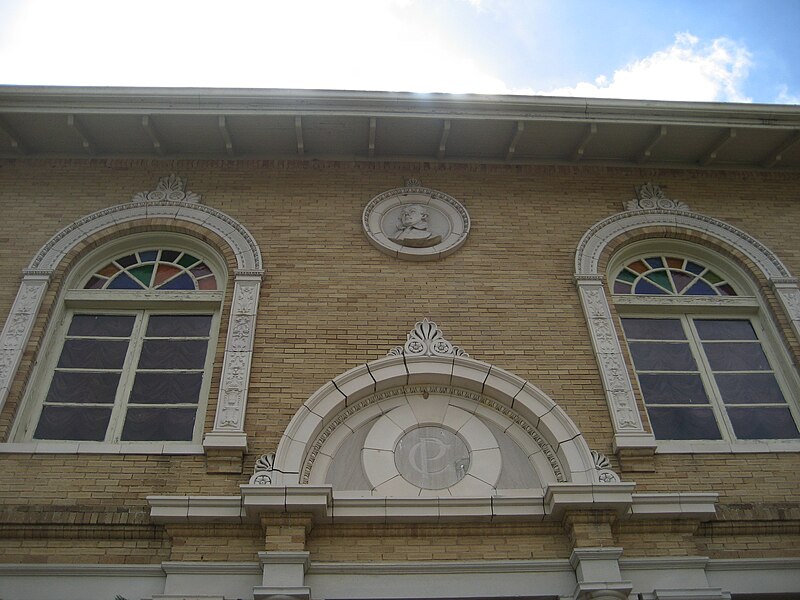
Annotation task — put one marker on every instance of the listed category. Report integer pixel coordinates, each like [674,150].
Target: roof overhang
[307,125]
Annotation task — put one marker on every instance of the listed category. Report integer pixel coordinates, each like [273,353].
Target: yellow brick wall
[330,301]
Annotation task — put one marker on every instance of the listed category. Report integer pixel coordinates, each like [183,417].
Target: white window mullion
[126,379]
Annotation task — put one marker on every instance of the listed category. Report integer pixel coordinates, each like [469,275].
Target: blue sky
[700,50]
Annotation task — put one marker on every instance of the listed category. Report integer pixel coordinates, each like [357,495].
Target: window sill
[726,447]
[101,448]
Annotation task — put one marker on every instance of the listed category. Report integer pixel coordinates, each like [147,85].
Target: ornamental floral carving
[602,465]
[651,197]
[169,189]
[426,339]
[262,472]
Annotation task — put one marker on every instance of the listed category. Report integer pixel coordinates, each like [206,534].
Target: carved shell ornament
[415,222]
[426,339]
[169,189]
[651,197]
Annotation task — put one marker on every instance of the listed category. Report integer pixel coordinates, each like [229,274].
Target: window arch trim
[229,419]
[628,427]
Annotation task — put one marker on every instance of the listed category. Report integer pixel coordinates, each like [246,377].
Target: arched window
[709,363]
[129,353]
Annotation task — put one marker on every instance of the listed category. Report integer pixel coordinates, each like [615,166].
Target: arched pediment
[514,435]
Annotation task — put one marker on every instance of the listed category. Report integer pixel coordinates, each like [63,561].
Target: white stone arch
[656,211]
[297,444]
[167,201]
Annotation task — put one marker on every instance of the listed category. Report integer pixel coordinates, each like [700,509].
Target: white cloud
[686,70]
[785,97]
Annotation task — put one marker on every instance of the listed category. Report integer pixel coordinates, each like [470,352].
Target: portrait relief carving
[413,228]
[415,223]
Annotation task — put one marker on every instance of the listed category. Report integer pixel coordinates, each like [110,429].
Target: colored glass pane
[169,255]
[626,275]
[95,283]
[619,287]
[655,262]
[143,274]
[127,261]
[109,270]
[639,267]
[124,282]
[674,263]
[712,277]
[661,278]
[726,290]
[201,270]
[165,273]
[694,267]
[210,283]
[682,280]
[645,287]
[148,256]
[181,282]
[187,260]
[701,288]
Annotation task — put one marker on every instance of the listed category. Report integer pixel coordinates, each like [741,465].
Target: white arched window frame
[168,202]
[630,433]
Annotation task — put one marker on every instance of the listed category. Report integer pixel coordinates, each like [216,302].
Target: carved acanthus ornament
[426,339]
[169,189]
[650,197]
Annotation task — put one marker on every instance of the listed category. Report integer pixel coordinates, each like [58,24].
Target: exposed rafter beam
[512,146]
[298,134]
[443,140]
[13,136]
[373,125]
[591,131]
[775,156]
[647,151]
[721,142]
[226,135]
[147,124]
[86,142]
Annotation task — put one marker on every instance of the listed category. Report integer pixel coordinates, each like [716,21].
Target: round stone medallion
[432,458]
[416,223]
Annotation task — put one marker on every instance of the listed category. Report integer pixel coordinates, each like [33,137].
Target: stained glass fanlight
[154,270]
[670,276]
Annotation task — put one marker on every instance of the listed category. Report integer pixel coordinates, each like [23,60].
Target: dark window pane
[127,261]
[645,287]
[93,354]
[725,329]
[726,290]
[78,423]
[673,389]
[166,388]
[169,255]
[619,288]
[148,256]
[653,329]
[173,354]
[94,283]
[187,260]
[162,424]
[681,280]
[626,275]
[124,282]
[749,388]
[733,356]
[71,386]
[201,270]
[655,262]
[181,282]
[101,325]
[684,423]
[179,326]
[700,288]
[655,356]
[694,267]
[763,423]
